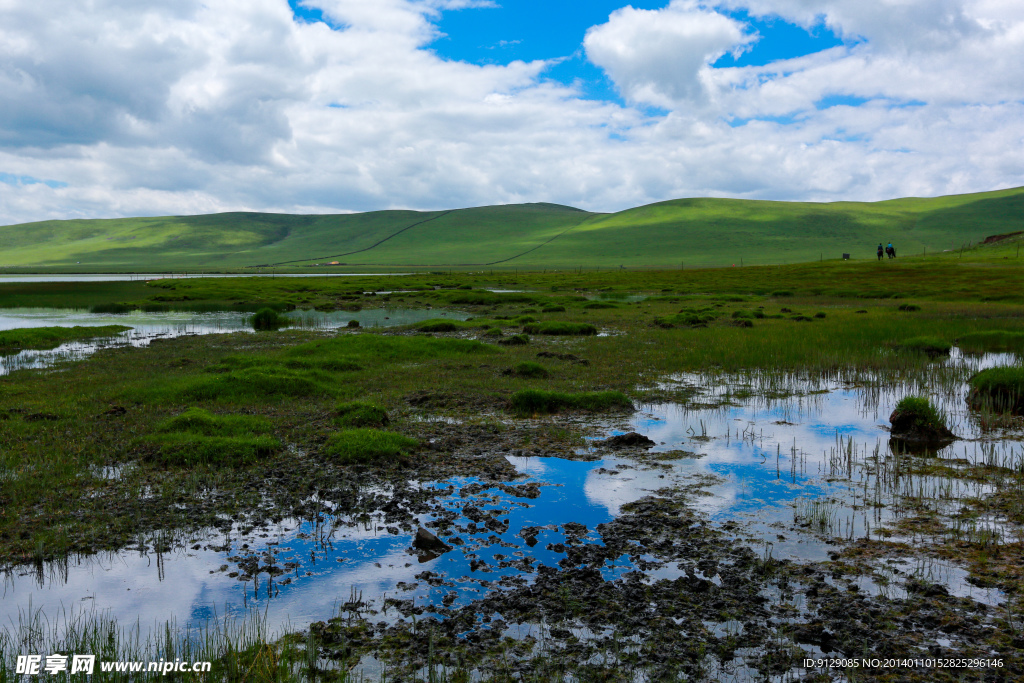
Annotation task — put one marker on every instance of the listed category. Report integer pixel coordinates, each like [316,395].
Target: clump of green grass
[198,437]
[910,308]
[199,421]
[932,346]
[994,341]
[13,341]
[594,305]
[530,370]
[524,319]
[258,383]
[919,412]
[515,340]
[361,414]
[998,388]
[560,328]
[491,332]
[437,326]
[365,446]
[553,309]
[690,317]
[267,319]
[536,401]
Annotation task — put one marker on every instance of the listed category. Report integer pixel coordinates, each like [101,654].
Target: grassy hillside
[697,232]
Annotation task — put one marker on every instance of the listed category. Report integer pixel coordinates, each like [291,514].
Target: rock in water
[427,541]
[630,440]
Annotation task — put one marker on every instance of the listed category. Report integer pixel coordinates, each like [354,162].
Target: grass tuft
[267,319]
[437,326]
[515,340]
[536,401]
[530,370]
[198,437]
[999,388]
[370,446]
[932,346]
[360,414]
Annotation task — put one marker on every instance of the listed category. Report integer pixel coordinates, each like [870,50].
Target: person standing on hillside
[880,250]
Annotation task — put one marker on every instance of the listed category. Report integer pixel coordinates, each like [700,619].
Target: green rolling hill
[698,232]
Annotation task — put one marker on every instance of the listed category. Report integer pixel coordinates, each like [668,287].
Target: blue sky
[185,106]
[554,30]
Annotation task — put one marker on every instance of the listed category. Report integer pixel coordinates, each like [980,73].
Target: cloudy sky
[149,107]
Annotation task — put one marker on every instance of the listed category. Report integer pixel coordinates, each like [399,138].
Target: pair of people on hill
[890,251]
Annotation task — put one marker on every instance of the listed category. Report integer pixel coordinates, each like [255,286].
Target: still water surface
[145,327]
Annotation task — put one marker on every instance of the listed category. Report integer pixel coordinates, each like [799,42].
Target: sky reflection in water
[766,455]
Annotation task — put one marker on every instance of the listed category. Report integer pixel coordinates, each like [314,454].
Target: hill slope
[699,232]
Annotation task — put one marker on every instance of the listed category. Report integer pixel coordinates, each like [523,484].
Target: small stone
[427,541]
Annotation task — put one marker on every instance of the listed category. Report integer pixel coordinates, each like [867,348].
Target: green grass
[991,341]
[678,233]
[13,341]
[999,388]
[921,411]
[267,319]
[931,346]
[536,401]
[515,340]
[530,370]
[360,414]
[560,328]
[370,446]
[436,326]
[199,421]
[259,384]
[198,437]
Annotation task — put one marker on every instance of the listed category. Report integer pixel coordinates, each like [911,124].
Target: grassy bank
[13,341]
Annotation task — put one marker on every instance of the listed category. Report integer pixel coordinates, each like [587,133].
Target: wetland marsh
[764,514]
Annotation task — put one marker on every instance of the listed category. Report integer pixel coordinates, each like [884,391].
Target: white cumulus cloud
[181,106]
[662,57]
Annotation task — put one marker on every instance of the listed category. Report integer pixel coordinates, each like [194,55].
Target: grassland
[690,232]
[246,429]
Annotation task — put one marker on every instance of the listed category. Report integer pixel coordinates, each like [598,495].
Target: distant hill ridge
[696,231]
